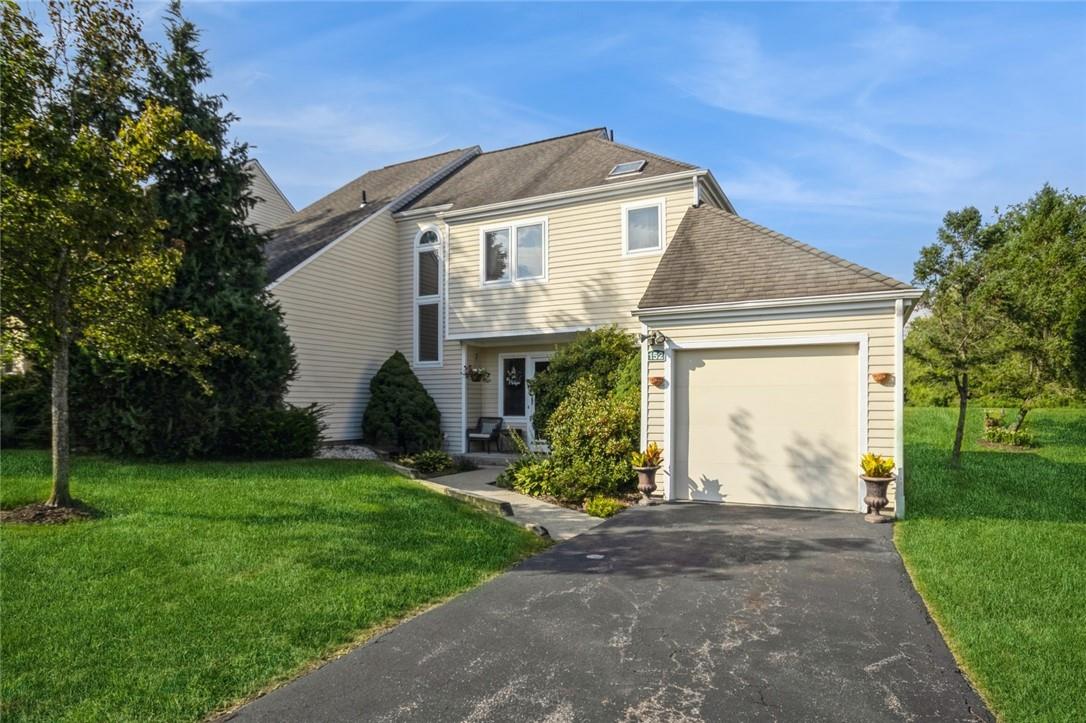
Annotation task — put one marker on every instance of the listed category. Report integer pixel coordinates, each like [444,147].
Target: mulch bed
[41,514]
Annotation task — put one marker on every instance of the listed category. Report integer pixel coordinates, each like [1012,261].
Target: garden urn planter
[876,499]
[646,484]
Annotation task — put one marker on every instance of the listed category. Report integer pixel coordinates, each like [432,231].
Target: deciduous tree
[959,335]
[83,250]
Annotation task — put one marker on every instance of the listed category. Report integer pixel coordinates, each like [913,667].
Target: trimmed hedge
[401,416]
[276,433]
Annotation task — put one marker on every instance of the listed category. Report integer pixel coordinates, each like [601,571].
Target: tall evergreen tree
[204,201]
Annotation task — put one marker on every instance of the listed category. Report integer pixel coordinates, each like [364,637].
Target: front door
[516,403]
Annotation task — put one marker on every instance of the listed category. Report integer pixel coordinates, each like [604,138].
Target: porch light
[654,338]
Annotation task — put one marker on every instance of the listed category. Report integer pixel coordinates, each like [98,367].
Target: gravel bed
[346,451]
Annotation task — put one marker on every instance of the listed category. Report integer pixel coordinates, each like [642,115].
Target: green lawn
[203,583]
[998,551]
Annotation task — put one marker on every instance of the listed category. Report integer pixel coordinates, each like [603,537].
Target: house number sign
[656,355]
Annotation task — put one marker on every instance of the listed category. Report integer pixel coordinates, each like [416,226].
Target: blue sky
[853,127]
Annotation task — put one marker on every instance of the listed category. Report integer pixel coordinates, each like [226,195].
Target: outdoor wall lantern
[654,337]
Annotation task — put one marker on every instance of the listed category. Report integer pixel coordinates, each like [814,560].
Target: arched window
[427,323]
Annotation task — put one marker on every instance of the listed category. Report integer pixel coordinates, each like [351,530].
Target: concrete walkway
[561,522]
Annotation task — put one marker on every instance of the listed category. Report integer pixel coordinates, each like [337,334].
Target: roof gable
[320,223]
[717,257]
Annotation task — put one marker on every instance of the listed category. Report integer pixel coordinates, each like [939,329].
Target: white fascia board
[310,259]
[615,188]
[542,331]
[716,190]
[758,304]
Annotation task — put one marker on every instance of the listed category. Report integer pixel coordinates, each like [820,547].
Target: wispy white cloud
[857,140]
[375,130]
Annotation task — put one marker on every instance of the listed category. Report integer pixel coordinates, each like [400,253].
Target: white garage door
[767,425]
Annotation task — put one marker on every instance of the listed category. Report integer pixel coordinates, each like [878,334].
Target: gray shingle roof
[308,231]
[717,257]
[565,163]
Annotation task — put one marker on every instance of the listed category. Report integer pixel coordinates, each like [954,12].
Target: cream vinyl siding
[272,208]
[442,382]
[340,311]
[877,324]
[590,282]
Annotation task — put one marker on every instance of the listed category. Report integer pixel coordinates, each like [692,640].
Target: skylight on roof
[627,168]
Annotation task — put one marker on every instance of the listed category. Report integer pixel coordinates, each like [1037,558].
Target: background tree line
[131,280]
[1003,316]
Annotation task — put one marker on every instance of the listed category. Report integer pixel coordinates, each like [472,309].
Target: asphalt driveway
[674,613]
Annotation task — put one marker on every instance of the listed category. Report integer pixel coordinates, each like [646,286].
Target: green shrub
[1020,438]
[535,479]
[605,356]
[600,506]
[997,431]
[276,433]
[430,461]
[25,419]
[592,436]
[401,415]
[508,477]
[628,380]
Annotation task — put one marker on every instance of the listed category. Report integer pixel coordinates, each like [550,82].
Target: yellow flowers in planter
[653,456]
[875,465]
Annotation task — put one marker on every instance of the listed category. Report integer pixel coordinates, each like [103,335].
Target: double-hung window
[514,252]
[427,297]
[643,227]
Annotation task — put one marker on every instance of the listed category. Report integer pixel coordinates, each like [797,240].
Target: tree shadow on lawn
[1011,485]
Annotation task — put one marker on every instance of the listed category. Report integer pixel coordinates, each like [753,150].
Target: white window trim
[512,227]
[435,248]
[659,203]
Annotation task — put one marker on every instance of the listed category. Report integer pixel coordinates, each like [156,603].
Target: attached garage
[771,367]
[768,425]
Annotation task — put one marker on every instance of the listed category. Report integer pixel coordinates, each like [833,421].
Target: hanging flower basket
[476,374]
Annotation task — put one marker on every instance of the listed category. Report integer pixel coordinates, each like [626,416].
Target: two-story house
[769,366]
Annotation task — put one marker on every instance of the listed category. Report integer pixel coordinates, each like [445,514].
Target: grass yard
[203,583]
[998,551]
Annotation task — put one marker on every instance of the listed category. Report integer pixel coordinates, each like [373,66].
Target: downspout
[899,406]
[644,388]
